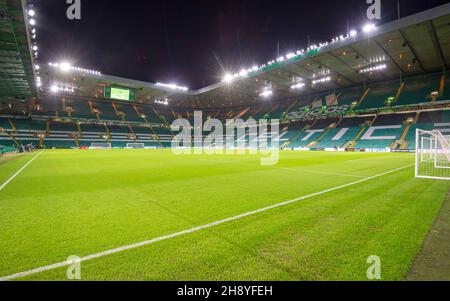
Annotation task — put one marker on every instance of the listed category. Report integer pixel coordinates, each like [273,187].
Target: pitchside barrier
[136,145]
[100,145]
[432,155]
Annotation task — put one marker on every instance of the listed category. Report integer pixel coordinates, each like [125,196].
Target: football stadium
[97,185]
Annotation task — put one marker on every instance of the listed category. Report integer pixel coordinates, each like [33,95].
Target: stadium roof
[16,68]
[413,45]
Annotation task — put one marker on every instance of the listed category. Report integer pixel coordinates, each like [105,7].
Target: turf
[83,202]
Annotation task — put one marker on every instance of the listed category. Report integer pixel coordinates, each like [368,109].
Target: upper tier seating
[418,89]
[348,96]
[106,110]
[4,124]
[129,111]
[80,109]
[378,95]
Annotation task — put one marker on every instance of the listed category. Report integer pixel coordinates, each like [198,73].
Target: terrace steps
[108,136]
[361,100]
[442,86]
[416,119]
[355,140]
[399,91]
[13,139]
[13,127]
[80,133]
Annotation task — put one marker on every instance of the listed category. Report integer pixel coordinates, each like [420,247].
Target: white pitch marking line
[19,171]
[196,229]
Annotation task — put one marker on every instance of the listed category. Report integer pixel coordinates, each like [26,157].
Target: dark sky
[193,42]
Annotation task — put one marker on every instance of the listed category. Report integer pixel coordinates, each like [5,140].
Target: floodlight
[65,66]
[368,28]
[54,89]
[266,93]
[228,78]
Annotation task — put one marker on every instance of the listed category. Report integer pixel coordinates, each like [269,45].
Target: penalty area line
[192,230]
[19,171]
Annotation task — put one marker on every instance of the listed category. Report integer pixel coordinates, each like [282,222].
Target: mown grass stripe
[195,229]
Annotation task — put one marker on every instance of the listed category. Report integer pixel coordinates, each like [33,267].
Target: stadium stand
[345,131]
[418,89]
[378,94]
[7,149]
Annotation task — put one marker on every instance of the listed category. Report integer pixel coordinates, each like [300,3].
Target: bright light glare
[266,93]
[369,28]
[31,13]
[65,66]
[32,22]
[353,33]
[54,89]
[228,78]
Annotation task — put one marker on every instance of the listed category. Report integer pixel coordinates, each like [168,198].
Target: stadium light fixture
[54,89]
[321,80]
[32,22]
[353,33]
[266,93]
[35,48]
[173,87]
[297,86]
[65,66]
[31,12]
[228,78]
[369,28]
[373,68]
[164,102]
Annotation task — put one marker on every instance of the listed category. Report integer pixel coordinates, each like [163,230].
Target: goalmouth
[432,155]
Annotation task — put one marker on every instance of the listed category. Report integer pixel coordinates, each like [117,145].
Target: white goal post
[432,155]
[100,145]
[136,145]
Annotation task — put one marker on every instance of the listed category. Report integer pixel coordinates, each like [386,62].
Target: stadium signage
[305,112]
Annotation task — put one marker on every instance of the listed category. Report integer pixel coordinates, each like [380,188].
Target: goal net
[432,155]
[100,145]
[136,145]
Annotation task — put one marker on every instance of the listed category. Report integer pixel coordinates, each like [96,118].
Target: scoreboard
[119,93]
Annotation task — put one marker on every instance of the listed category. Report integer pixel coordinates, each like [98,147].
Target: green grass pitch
[84,202]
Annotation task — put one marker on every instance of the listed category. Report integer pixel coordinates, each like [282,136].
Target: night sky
[193,42]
